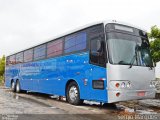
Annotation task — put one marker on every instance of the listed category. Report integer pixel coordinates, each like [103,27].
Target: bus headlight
[120,84]
[128,85]
[117,85]
[123,85]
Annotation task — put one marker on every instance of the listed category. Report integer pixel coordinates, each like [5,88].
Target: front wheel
[73,94]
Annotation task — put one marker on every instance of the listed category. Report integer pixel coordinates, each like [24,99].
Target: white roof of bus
[77,29]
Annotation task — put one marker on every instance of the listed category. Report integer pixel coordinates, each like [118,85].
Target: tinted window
[19,58]
[28,55]
[94,51]
[12,60]
[7,61]
[75,42]
[97,52]
[54,48]
[40,52]
[97,46]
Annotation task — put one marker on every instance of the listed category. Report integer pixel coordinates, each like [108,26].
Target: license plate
[142,93]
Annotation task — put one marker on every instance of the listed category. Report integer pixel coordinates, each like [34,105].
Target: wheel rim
[73,93]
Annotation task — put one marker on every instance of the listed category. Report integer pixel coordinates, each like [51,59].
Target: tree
[2,65]
[154,36]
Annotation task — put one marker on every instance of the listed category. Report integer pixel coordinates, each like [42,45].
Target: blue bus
[106,62]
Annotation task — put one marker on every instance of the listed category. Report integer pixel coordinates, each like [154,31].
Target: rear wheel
[73,94]
[18,88]
[13,86]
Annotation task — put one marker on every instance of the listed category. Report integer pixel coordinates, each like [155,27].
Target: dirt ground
[42,106]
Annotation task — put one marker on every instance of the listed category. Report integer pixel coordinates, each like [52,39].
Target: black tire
[18,87]
[73,96]
[13,88]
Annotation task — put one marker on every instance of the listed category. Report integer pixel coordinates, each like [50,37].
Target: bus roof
[75,30]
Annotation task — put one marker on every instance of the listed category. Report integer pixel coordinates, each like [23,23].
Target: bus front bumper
[125,95]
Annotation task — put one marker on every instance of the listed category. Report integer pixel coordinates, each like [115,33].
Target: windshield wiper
[132,61]
[134,57]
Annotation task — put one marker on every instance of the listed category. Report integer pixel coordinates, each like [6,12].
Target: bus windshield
[125,49]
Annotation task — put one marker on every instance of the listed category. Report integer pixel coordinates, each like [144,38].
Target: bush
[1,80]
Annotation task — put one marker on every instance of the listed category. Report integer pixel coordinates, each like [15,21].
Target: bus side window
[39,52]
[8,61]
[94,54]
[97,51]
[55,48]
[12,60]
[28,55]
[75,42]
[19,58]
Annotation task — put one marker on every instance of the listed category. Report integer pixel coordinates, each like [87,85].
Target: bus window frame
[86,30]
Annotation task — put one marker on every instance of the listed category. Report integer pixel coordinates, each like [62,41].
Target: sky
[24,23]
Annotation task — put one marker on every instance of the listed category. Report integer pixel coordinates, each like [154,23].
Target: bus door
[98,67]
